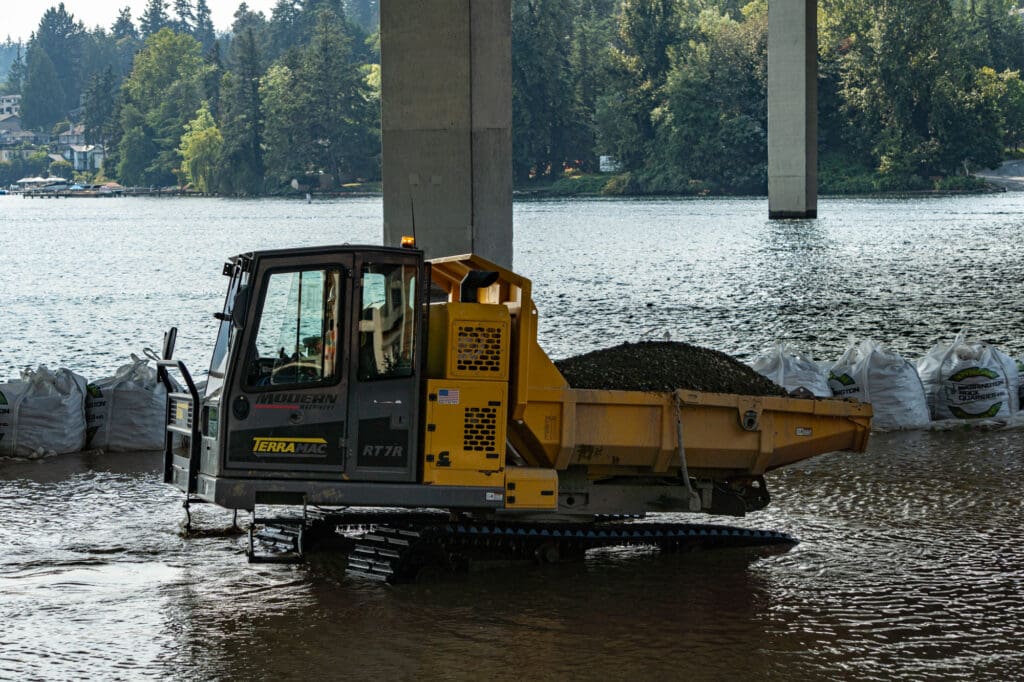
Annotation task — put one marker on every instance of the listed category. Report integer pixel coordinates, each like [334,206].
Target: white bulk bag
[792,370]
[128,410]
[42,413]
[967,380]
[1020,389]
[844,377]
[1013,379]
[874,374]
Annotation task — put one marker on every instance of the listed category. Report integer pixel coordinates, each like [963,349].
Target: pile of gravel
[664,366]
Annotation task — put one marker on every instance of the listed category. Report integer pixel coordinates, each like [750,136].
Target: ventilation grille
[480,430]
[479,348]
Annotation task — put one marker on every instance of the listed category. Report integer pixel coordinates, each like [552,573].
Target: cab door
[287,407]
[385,367]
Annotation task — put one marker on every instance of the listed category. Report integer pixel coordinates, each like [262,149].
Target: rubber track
[395,554]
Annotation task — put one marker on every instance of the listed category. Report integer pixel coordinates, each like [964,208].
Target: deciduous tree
[200,150]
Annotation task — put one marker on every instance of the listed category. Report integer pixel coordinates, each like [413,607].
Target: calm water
[910,565]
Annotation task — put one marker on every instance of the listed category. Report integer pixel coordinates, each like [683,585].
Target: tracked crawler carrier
[366,377]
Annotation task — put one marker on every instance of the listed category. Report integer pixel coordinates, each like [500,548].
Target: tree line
[912,95]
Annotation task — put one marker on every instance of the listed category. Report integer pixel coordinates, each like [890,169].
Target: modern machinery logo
[296,401]
[309,447]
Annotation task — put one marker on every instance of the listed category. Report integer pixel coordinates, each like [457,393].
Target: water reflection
[910,563]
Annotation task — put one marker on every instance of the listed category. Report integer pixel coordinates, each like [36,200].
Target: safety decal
[448,396]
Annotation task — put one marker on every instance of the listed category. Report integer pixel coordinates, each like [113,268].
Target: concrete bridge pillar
[792,109]
[446,117]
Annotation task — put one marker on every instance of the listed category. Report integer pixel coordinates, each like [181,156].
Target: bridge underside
[446,80]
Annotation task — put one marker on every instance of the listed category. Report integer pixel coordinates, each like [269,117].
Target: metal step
[274,544]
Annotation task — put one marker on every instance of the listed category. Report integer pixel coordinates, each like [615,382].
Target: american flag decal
[448,396]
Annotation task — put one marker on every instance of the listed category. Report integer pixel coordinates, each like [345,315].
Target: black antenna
[412,210]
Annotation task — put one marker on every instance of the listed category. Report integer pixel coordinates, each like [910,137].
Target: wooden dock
[98,194]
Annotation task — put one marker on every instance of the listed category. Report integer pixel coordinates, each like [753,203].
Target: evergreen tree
[99,51]
[212,75]
[285,138]
[365,13]
[320,116]
[127,40]
[16,75]
[63,40]
[136,151]
[9,53]
[154,18]
[284,27]
[124,27]
[293,23]
[245,19]
[241,162]
[186,17]
[99,107]
[42,95]
[204,31]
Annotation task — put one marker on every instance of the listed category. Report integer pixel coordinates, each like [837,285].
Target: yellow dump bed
[635,433]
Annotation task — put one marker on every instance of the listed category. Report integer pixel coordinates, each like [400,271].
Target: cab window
[295,342]
[387,332]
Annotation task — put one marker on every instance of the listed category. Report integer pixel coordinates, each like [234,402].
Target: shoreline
[994,184]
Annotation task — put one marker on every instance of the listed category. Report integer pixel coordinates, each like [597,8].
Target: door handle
[295,417]
[240,407]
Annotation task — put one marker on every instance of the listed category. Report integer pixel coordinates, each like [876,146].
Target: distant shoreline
[993,185]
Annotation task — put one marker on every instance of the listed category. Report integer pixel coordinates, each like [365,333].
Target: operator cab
[315,374]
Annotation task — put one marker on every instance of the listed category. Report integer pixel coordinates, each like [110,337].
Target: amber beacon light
[408,242]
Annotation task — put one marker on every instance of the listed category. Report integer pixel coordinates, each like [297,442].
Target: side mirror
[239,306]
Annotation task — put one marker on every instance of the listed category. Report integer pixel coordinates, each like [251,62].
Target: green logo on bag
[845,379]
[3,398]
[94,391]
[961,413]
[972,372]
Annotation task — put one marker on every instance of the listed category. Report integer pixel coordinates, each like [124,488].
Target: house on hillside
[10,104]
[24,137]
[10,153]
[10,123]
[75,134]
[85,157]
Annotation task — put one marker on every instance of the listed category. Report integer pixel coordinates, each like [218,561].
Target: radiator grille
[480,429]
[479,348]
